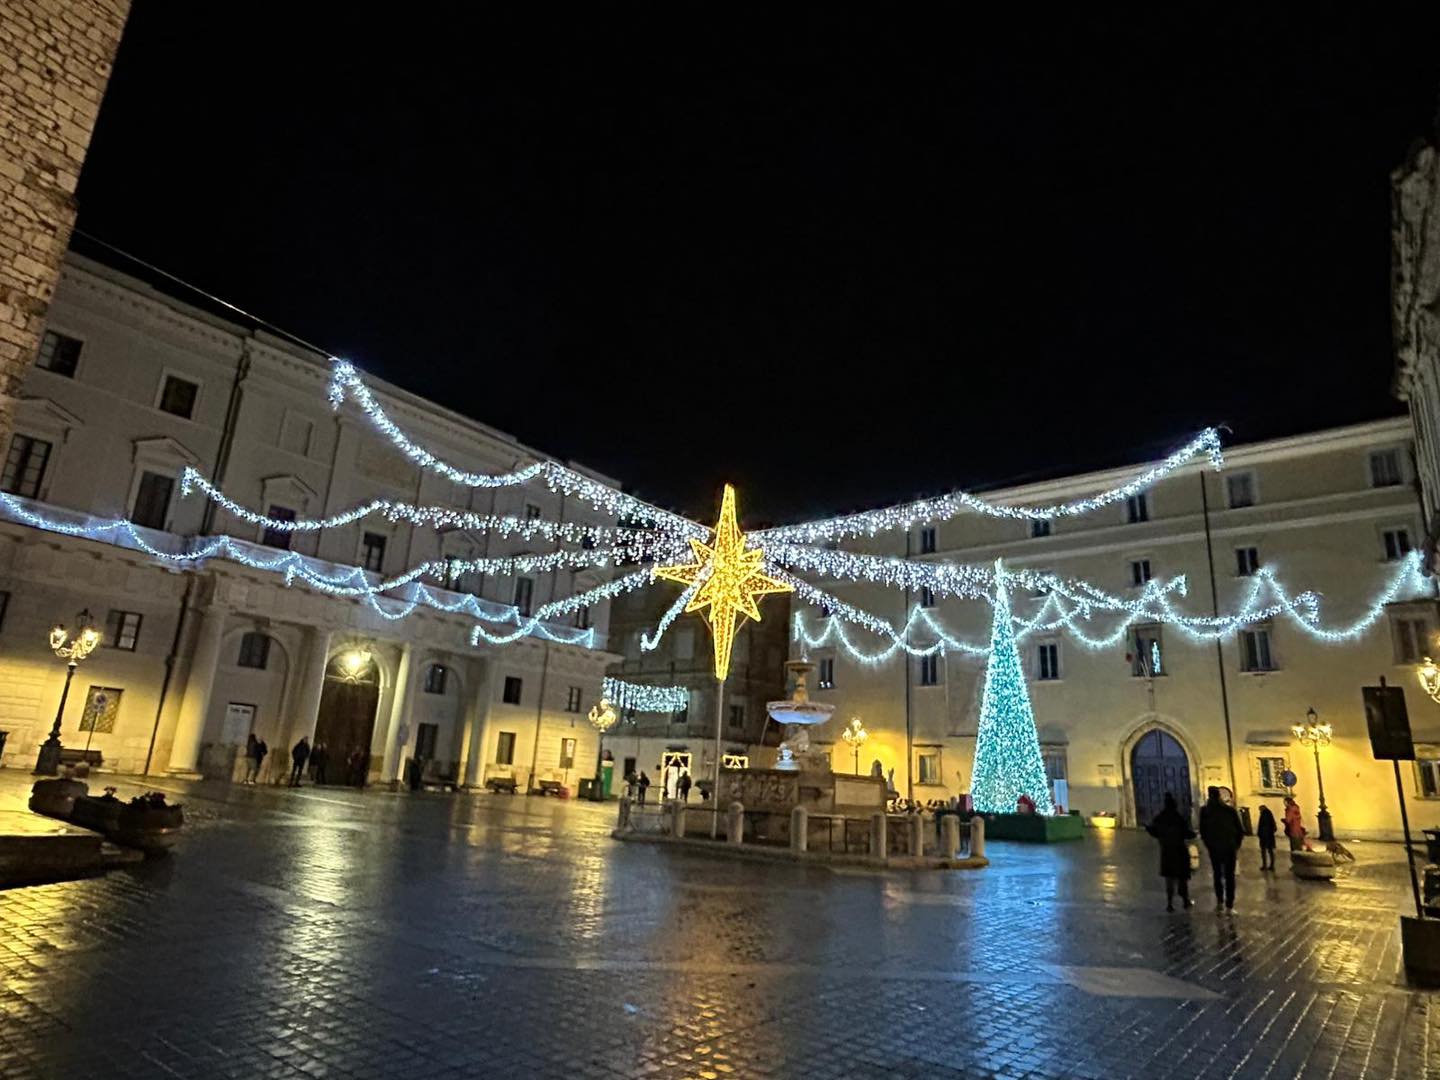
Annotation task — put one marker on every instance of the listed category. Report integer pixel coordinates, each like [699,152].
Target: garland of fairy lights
[928,511]
[639,697]
[346,381]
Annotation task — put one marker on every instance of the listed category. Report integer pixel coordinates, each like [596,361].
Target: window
[102,706]
[178,395]
[567,753]
[1240,490]
[1139,571]
[927,596]
[1041,583]
[927,767]
[122,630]
[1427,777]
[572,699]
[1039,527]
[4,606]
[927,541]
[1247,561]
[532,512]
[295,435]
[1385,468]
[372,551]
[435,677]
[1269,774]
[930,670]
[1137,508]
[1255,650]
[1047,661]
[152,500]
[737,717]
[1397,544]
[524,593]
[582,618]
[1146,652]
[1055,762]
[59,354]
[25,466]
[276,537]
[511,695]
[824,611]
[255,650]
[505,748]
[1412,639]
[826,680]
[681,718]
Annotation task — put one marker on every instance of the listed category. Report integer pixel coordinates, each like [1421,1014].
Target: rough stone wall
[55,60]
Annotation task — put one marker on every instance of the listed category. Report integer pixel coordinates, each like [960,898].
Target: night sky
[840,263]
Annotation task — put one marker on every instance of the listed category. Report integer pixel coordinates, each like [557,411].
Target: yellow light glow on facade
[1430,679]
[355,663]
[603,716]
[729,579]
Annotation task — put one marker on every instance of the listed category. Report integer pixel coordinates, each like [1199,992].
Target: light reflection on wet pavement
[334,933]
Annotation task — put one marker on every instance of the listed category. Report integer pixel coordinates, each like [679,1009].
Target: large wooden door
[347,719]
[1158,766]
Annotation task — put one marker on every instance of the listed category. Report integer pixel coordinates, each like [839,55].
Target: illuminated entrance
[347,715]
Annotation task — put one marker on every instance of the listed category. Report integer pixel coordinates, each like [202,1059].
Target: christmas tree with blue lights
[1008,762]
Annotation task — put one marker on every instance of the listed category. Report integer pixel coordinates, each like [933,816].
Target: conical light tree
[1008,762]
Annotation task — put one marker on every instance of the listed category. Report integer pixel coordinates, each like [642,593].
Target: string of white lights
[644,698]
[571,604]
[945,507]
[436,517]
[649,642]
[345,381]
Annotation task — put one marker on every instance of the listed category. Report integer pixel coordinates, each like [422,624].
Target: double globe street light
[855,735]
[72,646]
[1315,735]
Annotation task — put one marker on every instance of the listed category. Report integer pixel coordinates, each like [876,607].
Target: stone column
[735,825]
[307,700]
[950,830]
[195,704]
[402,712]
[477,726]
[977,837]
[799,829]
[878,839]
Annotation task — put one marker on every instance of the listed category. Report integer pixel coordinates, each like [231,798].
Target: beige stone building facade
[133,385]
[1334,512]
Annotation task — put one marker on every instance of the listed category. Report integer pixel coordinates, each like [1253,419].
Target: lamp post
[1430,679]
[72,646]
[602,717]
[855,735]
[1315,735]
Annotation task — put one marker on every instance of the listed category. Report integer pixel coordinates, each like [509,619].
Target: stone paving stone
[336,934]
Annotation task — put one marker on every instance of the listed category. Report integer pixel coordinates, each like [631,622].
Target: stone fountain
[798,716]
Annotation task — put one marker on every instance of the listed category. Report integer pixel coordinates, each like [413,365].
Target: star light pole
[726,578]
[1315,735]
[72,647]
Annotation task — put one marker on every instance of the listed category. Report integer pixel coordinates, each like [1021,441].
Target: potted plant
[56,797]
[149,823]
[98,812]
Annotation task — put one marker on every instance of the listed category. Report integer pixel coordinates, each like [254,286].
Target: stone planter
[97,813]
[151,829]
[56,798]
[1312,865]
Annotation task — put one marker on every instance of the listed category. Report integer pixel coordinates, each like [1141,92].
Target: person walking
[644,787]
[1222,833]
[252,763]
[1294,830]
[1174,834]
[319,758]
[298,756]
[261,749]
[1265,833]
[685,786]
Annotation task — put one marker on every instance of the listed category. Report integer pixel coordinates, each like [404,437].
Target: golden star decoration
[729,579]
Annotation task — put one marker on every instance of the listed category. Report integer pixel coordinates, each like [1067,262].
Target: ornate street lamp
[1430,679]
[855,735]
[72,646]
[602,717]
[1315,735]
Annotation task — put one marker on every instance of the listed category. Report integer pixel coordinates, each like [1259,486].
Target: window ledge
[1261,671]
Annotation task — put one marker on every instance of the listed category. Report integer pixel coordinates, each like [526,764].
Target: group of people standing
[305,758]
[639,786]
[1222,833]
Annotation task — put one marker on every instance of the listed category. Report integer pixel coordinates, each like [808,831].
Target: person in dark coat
[1222,833]
[1265,833]
[319,758]
[644,787]
[685,786]
[1173,832]
[298,756]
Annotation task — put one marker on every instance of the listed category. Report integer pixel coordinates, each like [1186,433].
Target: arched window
[255,650]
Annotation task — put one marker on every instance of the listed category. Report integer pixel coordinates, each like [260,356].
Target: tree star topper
[727,578]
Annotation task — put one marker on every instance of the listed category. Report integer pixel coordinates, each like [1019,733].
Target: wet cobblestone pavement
[330,933]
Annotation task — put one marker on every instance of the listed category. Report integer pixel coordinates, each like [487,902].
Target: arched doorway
[347,714]
[1159,765]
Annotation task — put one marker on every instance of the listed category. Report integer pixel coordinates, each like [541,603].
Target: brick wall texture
[55,59]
